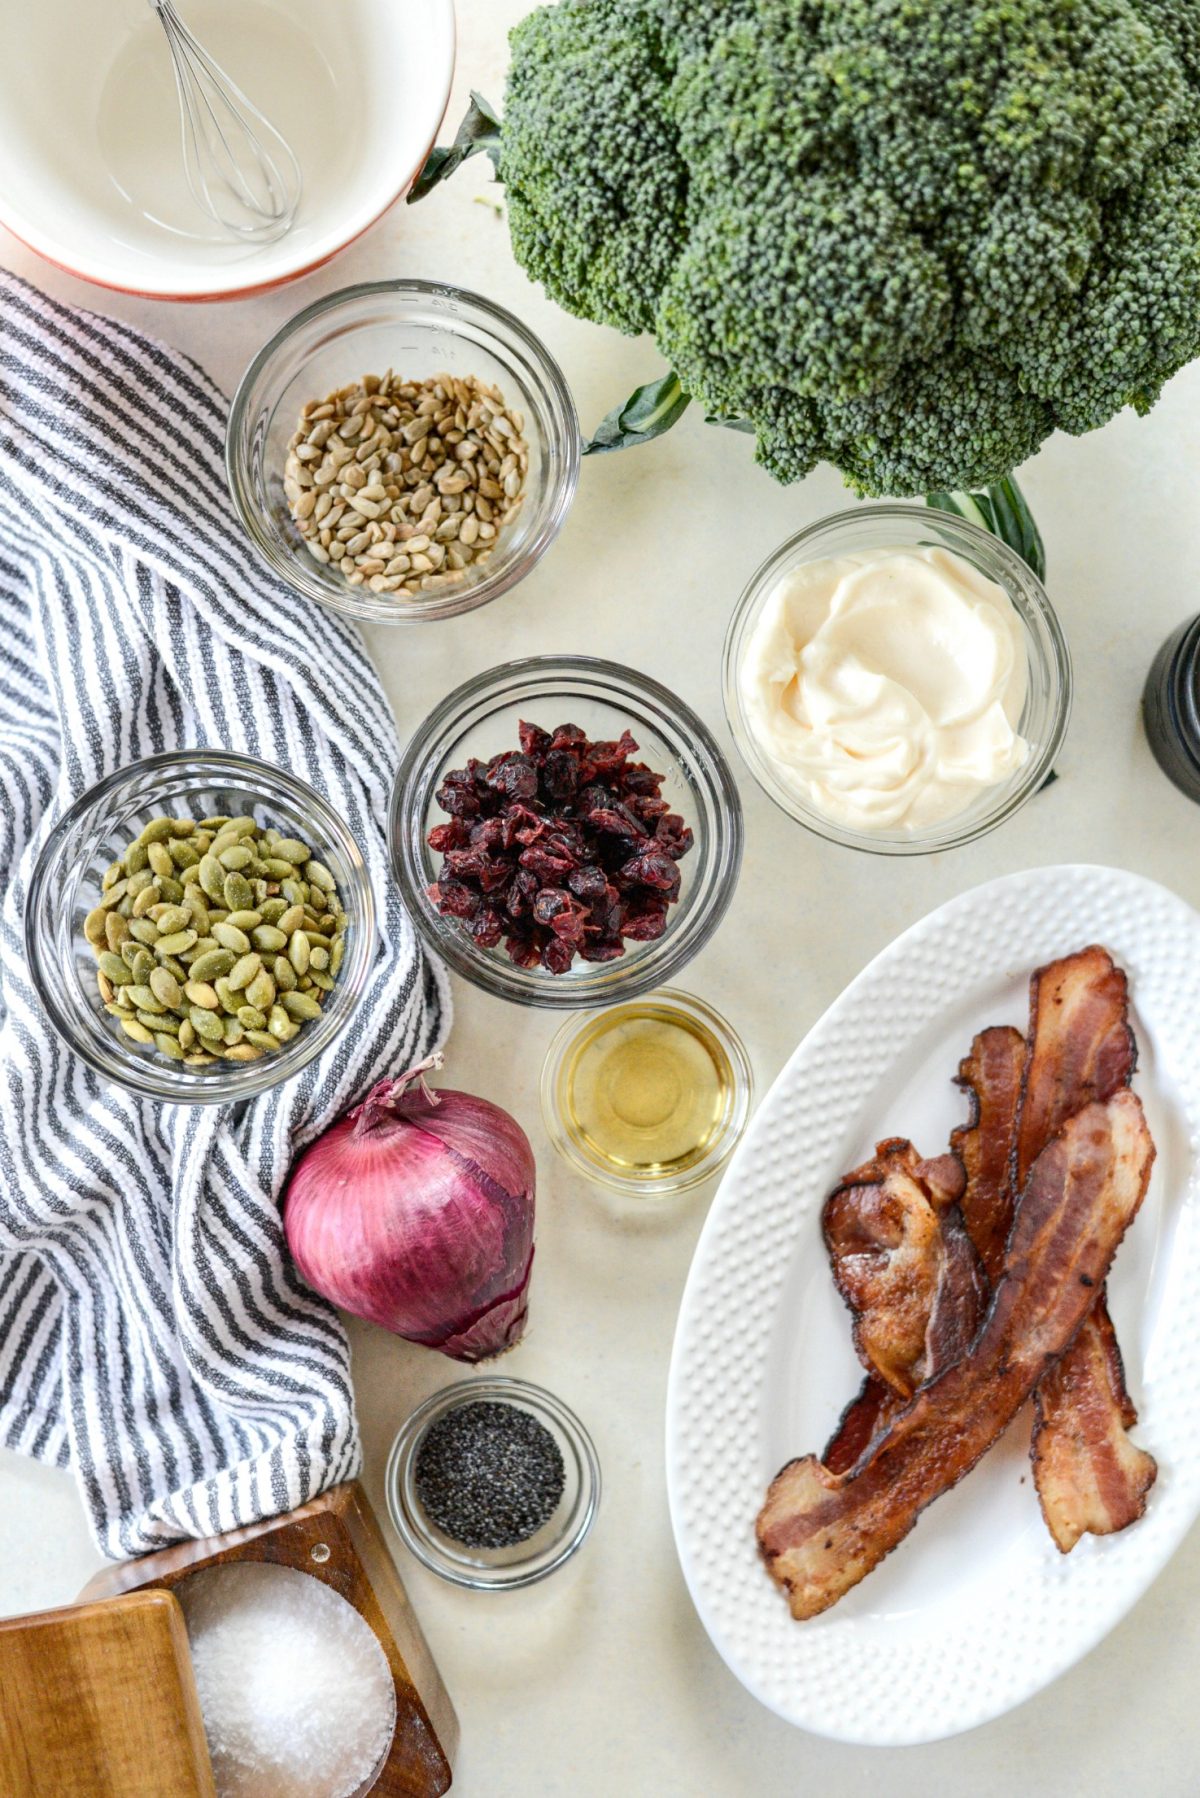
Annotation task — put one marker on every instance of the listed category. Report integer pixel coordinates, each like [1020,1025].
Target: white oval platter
[977,1610]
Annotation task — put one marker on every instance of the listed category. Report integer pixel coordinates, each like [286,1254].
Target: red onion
[415,1211]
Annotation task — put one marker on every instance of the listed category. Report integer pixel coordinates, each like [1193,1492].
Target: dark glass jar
[1171,708]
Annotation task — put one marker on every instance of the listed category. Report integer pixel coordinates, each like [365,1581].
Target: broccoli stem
[1002,509]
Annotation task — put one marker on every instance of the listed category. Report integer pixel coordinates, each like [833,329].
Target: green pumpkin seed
[144,997]
[285,974]
[291,919]
[271,910]
[318,875]
[198,1060]
[243,971]
[322,981]
[158,830]
[298,951]
[142,965]
[212,877]
[160,860]
[168,1046]
[146,901]
[300,1006]
[280,1025]
[139,882]
[245,920]
[319,959]
[173,918]
[251,1018]
[137,1031]
[233,1030]
[165,988]
[267,937]
[136,858]
[211,963]
[336,954]
[116,929]
[207,1024]
[229,999]
[94,926]
[114,872]
[262,1039]
[114,968]
[183,855]
[187,1035]
[176,942]
[230,937]
[237,856]
[144,930]
[260,991]
[114,895]
[239,894]
[200,993]
[242,1052]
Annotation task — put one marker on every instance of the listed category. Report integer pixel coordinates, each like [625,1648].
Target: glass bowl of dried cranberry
[565,831]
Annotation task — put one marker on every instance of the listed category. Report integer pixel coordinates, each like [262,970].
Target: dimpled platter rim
[977,1610]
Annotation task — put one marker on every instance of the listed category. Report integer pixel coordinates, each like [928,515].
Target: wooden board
[99,1701]
[337,1539]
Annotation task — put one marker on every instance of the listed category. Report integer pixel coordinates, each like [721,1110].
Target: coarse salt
[297,1696]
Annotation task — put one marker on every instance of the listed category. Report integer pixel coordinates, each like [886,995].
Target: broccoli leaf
[480,130]
[647,413]
[1002,509]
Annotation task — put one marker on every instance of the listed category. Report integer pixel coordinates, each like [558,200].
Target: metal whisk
[240,169]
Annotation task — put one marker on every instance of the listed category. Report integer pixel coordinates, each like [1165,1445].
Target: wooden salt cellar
[336,1539]
[99,1701]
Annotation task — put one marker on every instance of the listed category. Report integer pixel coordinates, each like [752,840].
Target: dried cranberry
[450,836]
[653,869]
[562,847]
[453,899]
[534,741]
[560,774]
[512,774]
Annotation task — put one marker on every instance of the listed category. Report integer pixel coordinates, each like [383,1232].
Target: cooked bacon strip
[1089,1476]
[1080,1047]
[903,1263]
[821,1533]
[869,1411]
[992,1074]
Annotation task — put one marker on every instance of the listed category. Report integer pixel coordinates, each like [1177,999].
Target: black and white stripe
[152,1333]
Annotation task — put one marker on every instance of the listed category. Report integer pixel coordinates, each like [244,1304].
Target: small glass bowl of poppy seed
[403,451]
[199,926]
[493,1483]
[565,831]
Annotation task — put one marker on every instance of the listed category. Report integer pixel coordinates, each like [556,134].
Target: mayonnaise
[884,688]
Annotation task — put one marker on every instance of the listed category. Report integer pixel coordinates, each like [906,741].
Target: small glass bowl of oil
[649,1097]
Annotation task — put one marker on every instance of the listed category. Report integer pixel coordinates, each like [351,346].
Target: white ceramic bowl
[91,172]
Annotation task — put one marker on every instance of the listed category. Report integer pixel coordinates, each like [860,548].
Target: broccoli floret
[911,237]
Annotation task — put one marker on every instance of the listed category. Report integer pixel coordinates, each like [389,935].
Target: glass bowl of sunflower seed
[403,451]
[199,926]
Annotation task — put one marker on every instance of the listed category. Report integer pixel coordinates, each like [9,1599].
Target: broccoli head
[909,237]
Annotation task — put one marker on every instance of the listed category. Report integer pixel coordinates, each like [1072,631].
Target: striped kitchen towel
[153,1335]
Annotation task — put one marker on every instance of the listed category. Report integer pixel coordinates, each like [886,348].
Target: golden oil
[651,1094]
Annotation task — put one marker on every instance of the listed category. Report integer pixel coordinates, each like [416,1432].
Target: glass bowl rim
[544,1404]
[673,998]
[718,870]
[1051,654]
[555,499]
[148,1079]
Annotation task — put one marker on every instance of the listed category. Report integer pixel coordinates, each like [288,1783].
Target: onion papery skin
[416,1212]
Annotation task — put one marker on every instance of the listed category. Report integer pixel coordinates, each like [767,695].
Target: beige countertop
[601,1683]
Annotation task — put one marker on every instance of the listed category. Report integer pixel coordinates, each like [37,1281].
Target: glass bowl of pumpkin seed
[199,926]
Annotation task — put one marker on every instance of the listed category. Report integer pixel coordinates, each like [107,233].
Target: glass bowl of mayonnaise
[896,679]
